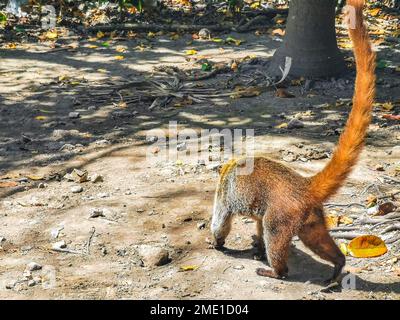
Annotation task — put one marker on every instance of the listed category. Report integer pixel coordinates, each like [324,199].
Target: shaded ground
[151,201]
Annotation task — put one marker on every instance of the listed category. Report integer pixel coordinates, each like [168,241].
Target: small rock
[295,124]
[239,267]
[379,167]
[27,275]
[204,34]
[181,146]
[33,266]
[96,178]
[95,213]
[31,283]
[74,115]
[201,225]
[77,175]
[76,189]
[59,245]
[41,185]
[103,195]
[153,256]
[11,285]
[2,239]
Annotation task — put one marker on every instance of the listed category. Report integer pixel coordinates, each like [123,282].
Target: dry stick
[344,229]
[344,205]
[392,228]
[157,27]
[89,242]
[348,236]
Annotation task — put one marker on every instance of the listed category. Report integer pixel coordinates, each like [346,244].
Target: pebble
[153,256]
[201,225]
[103,195]
[95,213]
[181,146]
[74,115]
[31,283]
[204,34]
[59,245]
[96,178]
[295,124]
[239,267]
[33,266]
[2,239]
[41,185]
[76,189]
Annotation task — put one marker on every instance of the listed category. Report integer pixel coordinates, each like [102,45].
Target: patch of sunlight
[266,116]
[238,121]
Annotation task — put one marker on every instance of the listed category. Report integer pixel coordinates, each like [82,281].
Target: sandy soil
[162,204]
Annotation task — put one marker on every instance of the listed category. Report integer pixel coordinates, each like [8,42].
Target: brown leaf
[8,184]
[386,208]
[282,93]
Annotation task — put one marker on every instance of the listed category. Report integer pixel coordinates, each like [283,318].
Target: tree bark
[310,41]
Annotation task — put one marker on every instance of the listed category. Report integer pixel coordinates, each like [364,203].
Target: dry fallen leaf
[386,208]
[119,57]
[331,221]
[282,93]
[343,248]
[278,32]
[367,246]
[189,268]
[8,184]
[190,52]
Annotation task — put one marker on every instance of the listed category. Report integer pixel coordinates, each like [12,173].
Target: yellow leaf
[50,35]
[190,52]
[120,49]
[102,70]
[35,178]
[119,57]
[367,246]
[100,35]
[175,37]
[41,118]
[151,34]
[11,45]
[374,12]
[93,46]
[281,126]
[343,248]
[331,221]
[179,162]
[345,220]
[189,268]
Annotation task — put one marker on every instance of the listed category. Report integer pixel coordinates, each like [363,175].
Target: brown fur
[286,204]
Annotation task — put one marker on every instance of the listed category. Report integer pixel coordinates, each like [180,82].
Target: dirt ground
[150,203]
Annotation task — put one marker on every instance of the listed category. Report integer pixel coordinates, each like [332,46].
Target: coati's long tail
[351,142]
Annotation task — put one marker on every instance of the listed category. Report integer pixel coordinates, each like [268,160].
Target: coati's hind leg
[221,223]
[277,239]
[315,236]
[260,255]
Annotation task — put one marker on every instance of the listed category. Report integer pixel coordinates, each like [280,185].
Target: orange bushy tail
[351,142]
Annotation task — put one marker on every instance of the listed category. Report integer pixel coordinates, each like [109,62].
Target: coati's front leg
[221,223]
[277,239]
[315,236]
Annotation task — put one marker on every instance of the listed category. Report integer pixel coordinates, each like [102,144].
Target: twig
[89,242]
[345,205]
[391,228]
[157,27]
[349,236]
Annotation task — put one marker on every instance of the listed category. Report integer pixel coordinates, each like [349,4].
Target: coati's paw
[259,256]
[271,273]
[218,244]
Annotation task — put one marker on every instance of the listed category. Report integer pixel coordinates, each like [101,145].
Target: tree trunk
[310,41]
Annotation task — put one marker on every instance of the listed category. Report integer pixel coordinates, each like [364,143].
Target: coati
[283,202]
